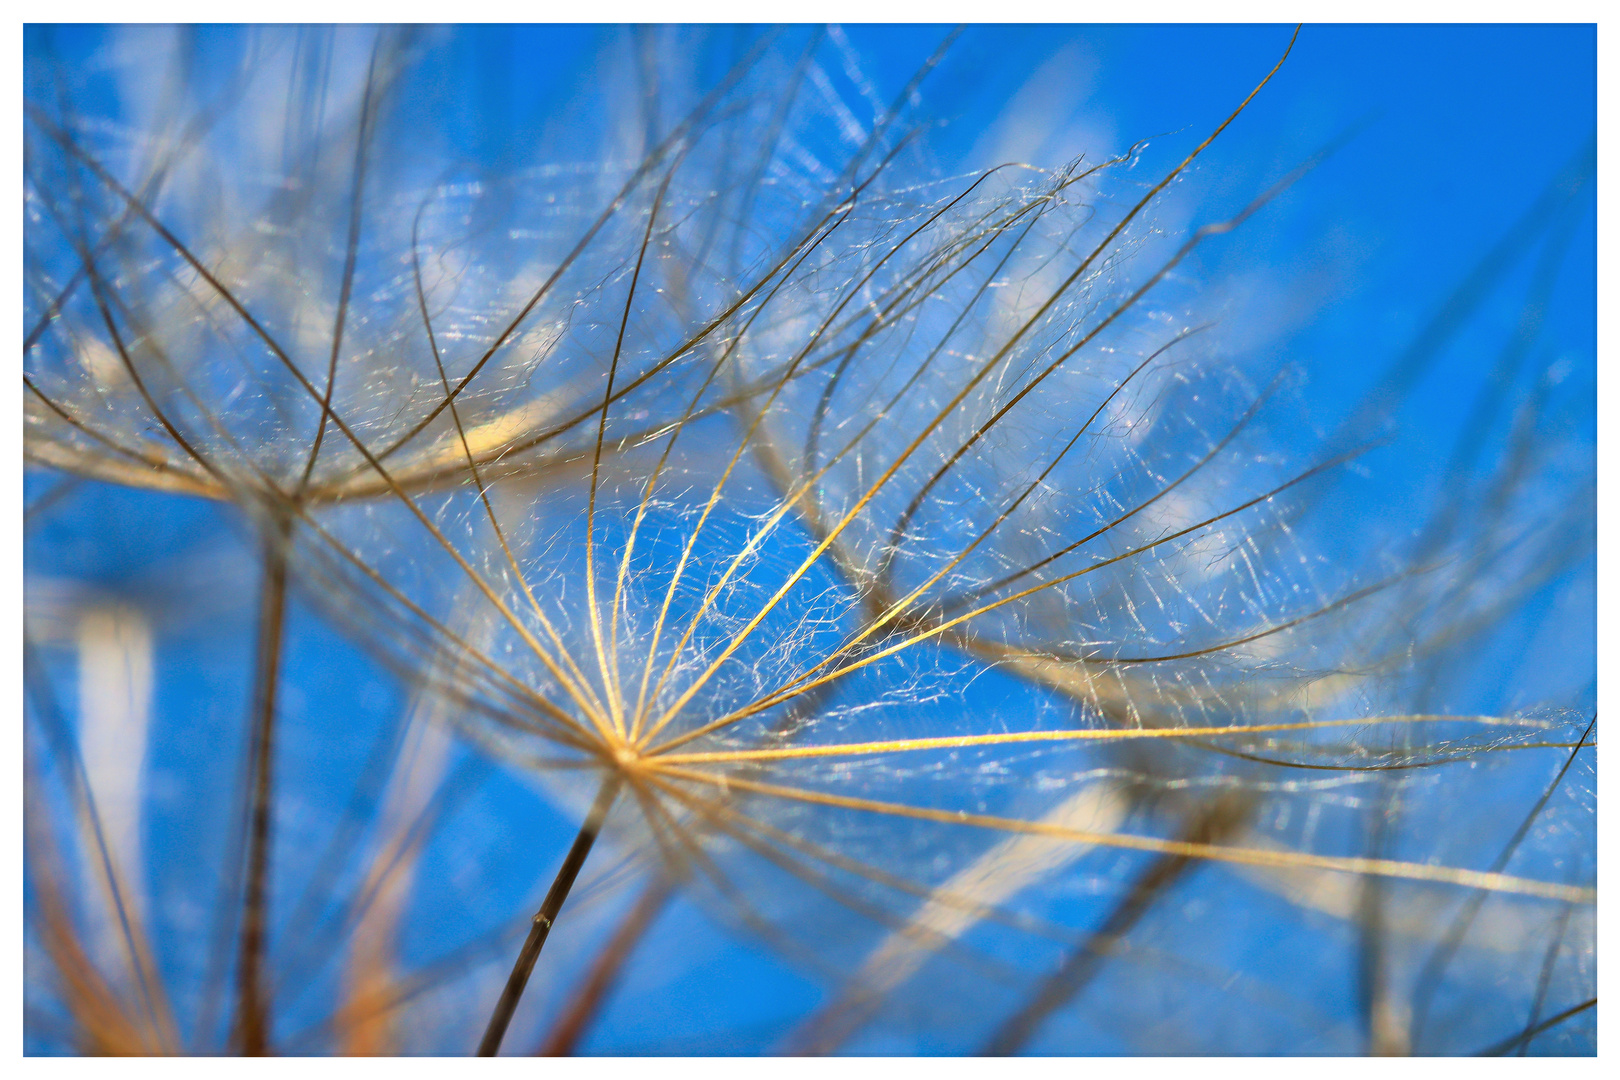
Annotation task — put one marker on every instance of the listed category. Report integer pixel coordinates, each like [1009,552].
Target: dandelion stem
[252,999]
[587,1002]
[544,918]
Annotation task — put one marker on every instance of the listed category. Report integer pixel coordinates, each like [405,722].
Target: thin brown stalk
[543,920]
[588,998]
[252,1027]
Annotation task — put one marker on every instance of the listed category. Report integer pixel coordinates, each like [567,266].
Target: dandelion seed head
[917,568]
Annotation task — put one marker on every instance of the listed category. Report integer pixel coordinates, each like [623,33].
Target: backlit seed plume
[905,566]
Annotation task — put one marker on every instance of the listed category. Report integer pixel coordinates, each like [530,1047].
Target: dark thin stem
[587,1001]
[252,998]
[544,918]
